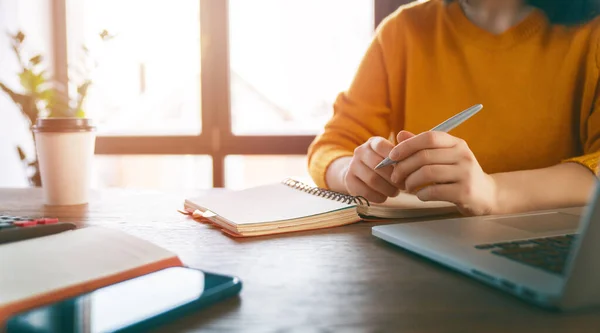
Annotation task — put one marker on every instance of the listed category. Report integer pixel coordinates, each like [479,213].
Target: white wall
[32,17]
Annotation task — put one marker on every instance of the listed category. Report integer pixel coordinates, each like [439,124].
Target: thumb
[404,135]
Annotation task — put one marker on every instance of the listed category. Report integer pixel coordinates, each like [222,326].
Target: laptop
[550,258]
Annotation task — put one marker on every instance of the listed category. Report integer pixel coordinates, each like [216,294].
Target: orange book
[44,270]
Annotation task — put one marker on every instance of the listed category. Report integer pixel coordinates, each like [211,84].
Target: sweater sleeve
[361,112]
[590,140]
[590,116]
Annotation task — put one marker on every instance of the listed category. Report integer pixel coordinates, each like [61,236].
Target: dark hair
[568,12]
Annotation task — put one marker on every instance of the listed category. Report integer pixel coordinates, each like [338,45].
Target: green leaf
[26,78]
[22,154]
[83,88]
[31,81]
[19,37]
[80,113]
[36,60]
[58,103]
[47,95]
[105,35]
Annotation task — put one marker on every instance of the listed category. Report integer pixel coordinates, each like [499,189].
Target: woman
[534,65]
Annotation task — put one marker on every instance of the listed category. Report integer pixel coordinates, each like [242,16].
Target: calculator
[17,228]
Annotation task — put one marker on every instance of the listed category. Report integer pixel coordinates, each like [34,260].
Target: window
[284,80]
[234,88]
[146,79]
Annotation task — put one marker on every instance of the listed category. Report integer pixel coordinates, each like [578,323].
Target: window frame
[216,138]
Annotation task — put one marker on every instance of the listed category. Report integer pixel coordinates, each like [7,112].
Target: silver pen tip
[387,161]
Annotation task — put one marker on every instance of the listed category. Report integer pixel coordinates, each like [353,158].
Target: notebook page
[37,266]
[268,203]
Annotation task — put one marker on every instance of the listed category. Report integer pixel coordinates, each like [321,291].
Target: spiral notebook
[295,206]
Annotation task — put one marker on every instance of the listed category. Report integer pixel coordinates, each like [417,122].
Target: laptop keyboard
[547,253]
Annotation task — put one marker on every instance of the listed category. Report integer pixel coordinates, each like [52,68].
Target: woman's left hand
[438,166]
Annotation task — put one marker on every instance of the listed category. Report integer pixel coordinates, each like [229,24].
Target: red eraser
[25,223]
[47,220]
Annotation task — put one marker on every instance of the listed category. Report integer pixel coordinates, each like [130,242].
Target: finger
[423,157]
[432,174]
[426,140]
[357,187]
[370,158]
[440,192]
[403,135]
[373,179]
[380,146]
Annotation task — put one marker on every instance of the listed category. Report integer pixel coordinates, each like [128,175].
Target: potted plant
[41,96]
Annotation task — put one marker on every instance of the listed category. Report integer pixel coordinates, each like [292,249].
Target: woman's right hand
[360,176]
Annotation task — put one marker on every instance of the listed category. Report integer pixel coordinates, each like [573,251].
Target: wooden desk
[330,280]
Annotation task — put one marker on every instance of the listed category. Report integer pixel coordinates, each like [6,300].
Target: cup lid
[64,125]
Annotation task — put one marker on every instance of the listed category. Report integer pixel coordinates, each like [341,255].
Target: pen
[446,126]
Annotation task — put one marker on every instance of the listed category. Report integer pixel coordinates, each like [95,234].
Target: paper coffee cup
[65,150]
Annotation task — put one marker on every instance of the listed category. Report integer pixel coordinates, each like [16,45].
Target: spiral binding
[321,192]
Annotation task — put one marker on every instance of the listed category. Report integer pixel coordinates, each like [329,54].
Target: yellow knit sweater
[538,84]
